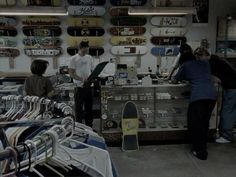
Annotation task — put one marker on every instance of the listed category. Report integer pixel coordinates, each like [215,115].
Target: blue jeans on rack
[228,114]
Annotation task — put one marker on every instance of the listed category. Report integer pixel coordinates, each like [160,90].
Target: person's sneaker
[222,140]
[201,157]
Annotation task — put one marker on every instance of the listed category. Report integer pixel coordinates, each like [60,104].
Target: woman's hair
[184,48]
[39,67]
[201,51]
[186,54]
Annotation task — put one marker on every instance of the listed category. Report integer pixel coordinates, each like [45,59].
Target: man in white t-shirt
[80,67]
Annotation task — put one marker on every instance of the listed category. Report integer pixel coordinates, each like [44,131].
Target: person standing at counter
[202,100]
[80,67]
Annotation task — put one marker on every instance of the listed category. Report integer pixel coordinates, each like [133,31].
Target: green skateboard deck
[93,41]
[128,40]
[128,2]
[93,51]
[85,21]
[7,21]
[86,10]
[8,42]
[168,40]
[8,31]
[130,125]
[87,2]
[45,52]
[42,41]
[42,31]
[41,3]
[45,20]
[81,31]
[127,31]
[128,21]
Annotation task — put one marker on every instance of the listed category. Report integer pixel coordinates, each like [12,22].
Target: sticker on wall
[81,31]
[87,2]
[85,21]
[86,10]
[128,2]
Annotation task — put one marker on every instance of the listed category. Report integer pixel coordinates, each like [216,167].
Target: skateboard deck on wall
[7,21]
[87,2]
[8,31]
[171,3]
[168,40]
[9,52]
[42,41]
[8,42]
[93,51]
[45,20]
[108,124]
[85,21]
[118,11]
[42,31]
[127,31]
[130,124]
[7,2]
[168,31]
[86,10]
[81,31]
[169,21]
[41,2]
[44,52]
[128,2]
[129,50]
[165,51]
[128,40]
[128,21]
[93,41]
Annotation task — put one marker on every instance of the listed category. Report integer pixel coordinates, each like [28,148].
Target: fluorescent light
[34,11]
[163,11]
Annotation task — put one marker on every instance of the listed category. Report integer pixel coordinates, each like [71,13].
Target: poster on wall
[202,7]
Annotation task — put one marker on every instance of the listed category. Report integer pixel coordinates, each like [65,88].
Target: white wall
[195,34]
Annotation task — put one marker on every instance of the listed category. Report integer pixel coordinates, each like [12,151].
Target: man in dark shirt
[227,75]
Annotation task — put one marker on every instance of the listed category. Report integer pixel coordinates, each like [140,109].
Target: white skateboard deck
[169,21]
[86,10]
[168,31]
[129,50]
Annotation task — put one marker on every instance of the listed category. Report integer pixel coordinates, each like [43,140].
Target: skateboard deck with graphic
[85,21]
[171,3]
[128,21]
[42,31]
[45,20]
[86,10]
[165,51]
[93,51]
[7,21]
[7,2]
[130,125]
[87,2]
[8,31]
[44,52]
[128,40]
[93,41]
[168,40]
[41,2]
[8,41]
[118,11]
[81,31]
[108,124]
[168,31]
[169,21]
[129,50]
[42,41]
[9,52]
[127,31]
[128,2]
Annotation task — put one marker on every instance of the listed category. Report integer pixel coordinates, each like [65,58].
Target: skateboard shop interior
[133,110]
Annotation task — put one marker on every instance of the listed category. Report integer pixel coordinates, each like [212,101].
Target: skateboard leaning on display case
[129,50]
[8,41]
[85,21]
[7,21]
[42,31]
[165,51]
[41,3]
[7,2]
[128,2]
[128,21]
[81,31]
[93,51]
[86,10]
[130,125]
[128,40]
[93,41]
[168,40]
[87,2]
[45,20]
[42,41]
[162,31]
[8,31]
[127,31]
[169,21]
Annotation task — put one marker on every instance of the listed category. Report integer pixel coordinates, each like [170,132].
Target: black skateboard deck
[119,11]
[42,31]
[42,41]
[128,21]
[130,124]
[128,2]
[168,40]
[80,31]
[8,31]
[7,21]
[87,2]
[41,2]
[9,52]
[93,51]
[127,31]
